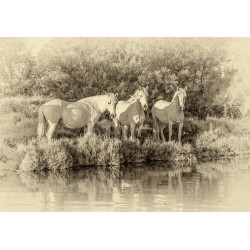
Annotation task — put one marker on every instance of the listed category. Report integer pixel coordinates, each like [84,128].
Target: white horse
[164,113]
[84,112]
[131,112]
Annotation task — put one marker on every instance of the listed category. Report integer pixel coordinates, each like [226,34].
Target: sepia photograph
[124,124]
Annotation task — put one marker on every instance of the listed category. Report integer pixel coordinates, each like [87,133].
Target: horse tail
[41,129]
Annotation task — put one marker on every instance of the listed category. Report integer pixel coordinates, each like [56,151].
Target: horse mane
[174,96]
[132,97]
[92,100]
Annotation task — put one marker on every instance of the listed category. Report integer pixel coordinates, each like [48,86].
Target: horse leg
[118,132]
[180,131]
[139,130]
[51,130]
[89,128]
[124,131]
[162,133]
[170,125]
[108,131]
[132,130]
[156,131]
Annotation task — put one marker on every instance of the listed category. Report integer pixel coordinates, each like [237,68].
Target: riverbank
[98,151]
[19,148]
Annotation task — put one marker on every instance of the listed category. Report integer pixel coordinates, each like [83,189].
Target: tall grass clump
[66,153]
[217,143]
[41,155]
[130,151]
[173,153]
[97,150]
[26,105]
[232,126]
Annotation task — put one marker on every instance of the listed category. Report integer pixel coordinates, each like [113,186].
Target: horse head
[182,94]
[142,95]
[111,104]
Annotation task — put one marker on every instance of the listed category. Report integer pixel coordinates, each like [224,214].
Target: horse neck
[138,104]
[99,102]
[132,99]
[176,103]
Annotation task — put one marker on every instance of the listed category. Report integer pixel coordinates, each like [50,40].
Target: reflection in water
[218,186]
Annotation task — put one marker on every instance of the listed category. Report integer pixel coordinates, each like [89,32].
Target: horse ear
[185,88]
[116,95]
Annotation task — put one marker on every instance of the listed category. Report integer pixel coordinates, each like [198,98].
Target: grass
[19,147]
[96,150]
[216,143]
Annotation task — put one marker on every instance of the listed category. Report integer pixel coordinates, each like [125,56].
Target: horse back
[165,111]
[77,115]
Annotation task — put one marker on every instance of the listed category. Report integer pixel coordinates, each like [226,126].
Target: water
[219,186]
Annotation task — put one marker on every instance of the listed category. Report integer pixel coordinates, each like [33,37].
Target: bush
[26,105]
[217,143]
[96,150]
[9,157]
[67,153]
[173,153]
[130,151]
[15,127]
[227,125]
[40,155]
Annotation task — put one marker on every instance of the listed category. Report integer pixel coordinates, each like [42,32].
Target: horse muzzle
[145,107]
[112,116]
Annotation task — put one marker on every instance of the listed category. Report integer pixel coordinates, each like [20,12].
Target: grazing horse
[84,112]
[131,112]
[164,113]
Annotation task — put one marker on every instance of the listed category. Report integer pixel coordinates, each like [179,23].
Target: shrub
[9,157]
[236,127]
[173,153]
[96,150]
[15,127]
[26,105]
[41,155]
[216,143]
[130,151]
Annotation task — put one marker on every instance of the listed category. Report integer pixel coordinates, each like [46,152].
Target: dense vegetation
[19,147]
[75,68]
